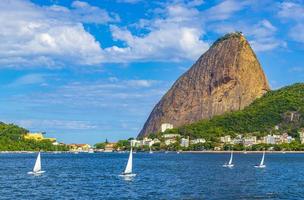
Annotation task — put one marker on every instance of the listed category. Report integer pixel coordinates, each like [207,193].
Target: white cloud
[262,34]
[29,79]
[176,35]
[297,69]
[293,12]
[224,10]
[32,124]
[31,35]
[129,1]
[54,36]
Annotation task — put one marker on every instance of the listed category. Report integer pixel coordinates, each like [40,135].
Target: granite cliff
[225,78]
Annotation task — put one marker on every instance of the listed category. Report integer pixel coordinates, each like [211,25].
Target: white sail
[37,166]
[231,157]
[128,169]
[262,161]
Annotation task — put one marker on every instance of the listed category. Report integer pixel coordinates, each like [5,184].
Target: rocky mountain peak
[225,78]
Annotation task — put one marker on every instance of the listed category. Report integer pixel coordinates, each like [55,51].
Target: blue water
[159,176]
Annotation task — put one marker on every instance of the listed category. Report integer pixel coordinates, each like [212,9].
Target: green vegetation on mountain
[259,118]
[12,139]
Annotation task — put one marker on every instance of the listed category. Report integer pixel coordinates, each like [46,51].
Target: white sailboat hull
[228,165]
[36,173]
[127,175]
[260,166]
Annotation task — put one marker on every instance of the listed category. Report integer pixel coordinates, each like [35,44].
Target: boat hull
[228,166]
[260,166]
[36,173]
[127,175]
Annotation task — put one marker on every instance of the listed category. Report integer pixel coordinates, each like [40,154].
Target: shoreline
[242,152]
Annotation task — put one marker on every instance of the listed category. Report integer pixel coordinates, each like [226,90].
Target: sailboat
[150,152]
[37,167]
[230,164]
[128,170]
[261,165]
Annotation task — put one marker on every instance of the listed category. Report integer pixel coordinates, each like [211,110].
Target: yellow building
[38,136]
[79,147]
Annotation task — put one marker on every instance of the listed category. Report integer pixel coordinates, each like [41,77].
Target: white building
[249,140]
[155,141]
[166,126]
[226,139]
[147,141]
[170,141]
[269,139]
[135,143]
[198,140]
[301,133]
[238,139]
[184,142]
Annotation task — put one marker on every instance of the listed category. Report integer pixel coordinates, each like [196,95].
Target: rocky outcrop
[226,78]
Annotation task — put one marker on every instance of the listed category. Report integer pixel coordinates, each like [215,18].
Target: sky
[86,71]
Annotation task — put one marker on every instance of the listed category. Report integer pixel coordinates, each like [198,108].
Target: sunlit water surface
[159,176]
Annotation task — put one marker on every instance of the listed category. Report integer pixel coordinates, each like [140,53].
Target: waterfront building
[269,139]
[198,140]
[156,141]
[135,143]
[249,140]
[184,142]
[38,136]
[285,138]
[301,134]
[79,147]
[166,126]
[238,139]
[110,147]
[226,139]
[170,141]
[147,141]
[217,148]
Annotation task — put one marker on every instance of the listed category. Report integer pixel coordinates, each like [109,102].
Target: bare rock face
[226,78]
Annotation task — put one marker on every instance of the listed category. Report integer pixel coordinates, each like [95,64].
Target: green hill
[11,139]
[259,118]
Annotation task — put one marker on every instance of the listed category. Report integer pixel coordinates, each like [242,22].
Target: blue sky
[84,71]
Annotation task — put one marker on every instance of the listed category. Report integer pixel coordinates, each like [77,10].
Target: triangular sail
[231,157]
[128,169]
[37,166]
[262,161]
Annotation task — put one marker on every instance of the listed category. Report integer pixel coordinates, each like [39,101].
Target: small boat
[230,164]
[91,151]
[37,167]
[261,165]
[128,170]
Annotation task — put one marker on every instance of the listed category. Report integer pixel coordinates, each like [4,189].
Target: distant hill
[11,139]
[283,107]
[226,78]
